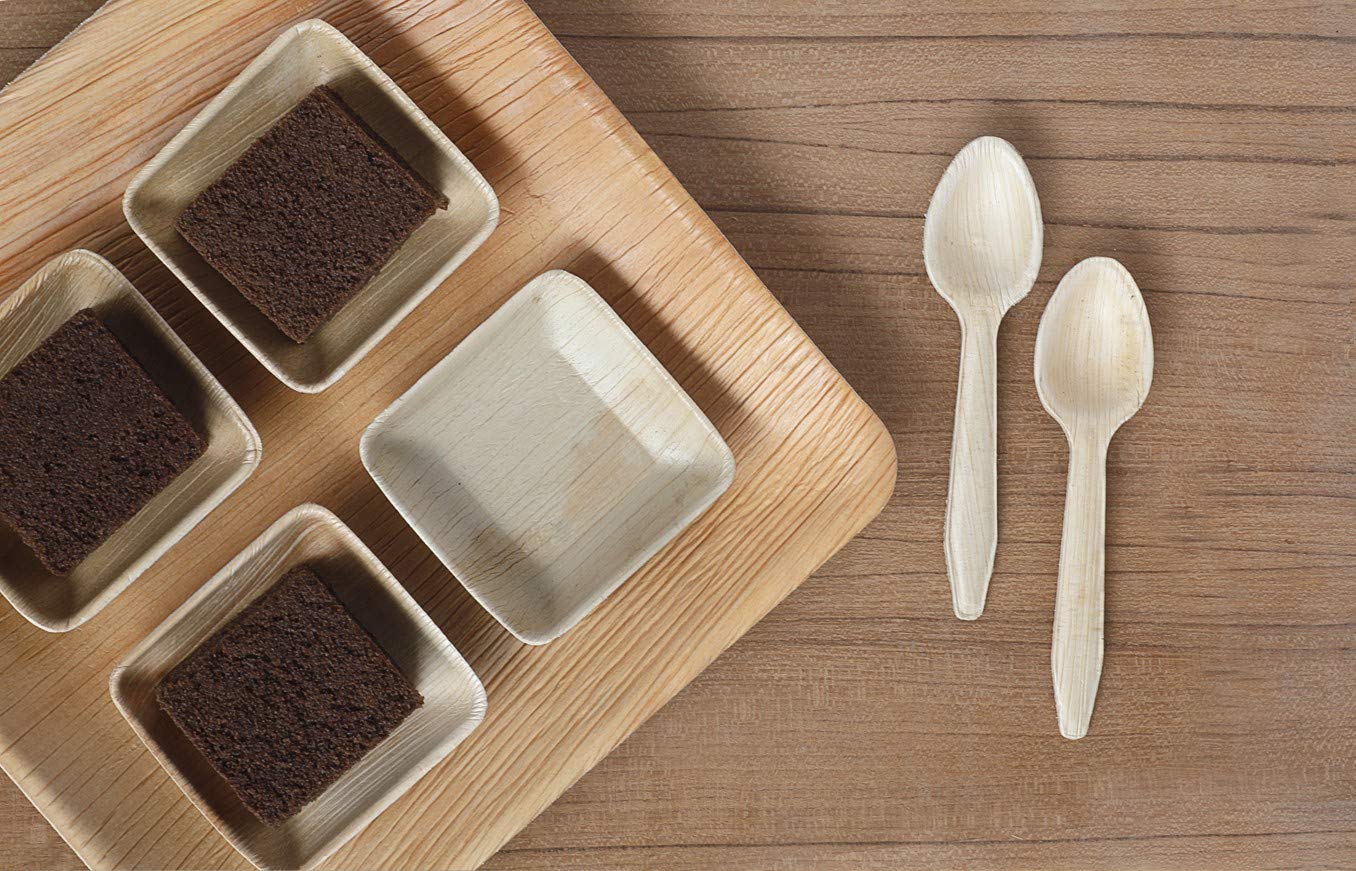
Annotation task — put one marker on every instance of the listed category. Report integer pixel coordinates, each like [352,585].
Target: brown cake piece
[86,439]
[308,214]
[287,696]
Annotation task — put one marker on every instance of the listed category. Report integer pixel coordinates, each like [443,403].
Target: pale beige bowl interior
[547,457]
[454,699]
[67,284]
[304,56]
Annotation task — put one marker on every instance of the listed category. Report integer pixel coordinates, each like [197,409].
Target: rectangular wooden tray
[579,191]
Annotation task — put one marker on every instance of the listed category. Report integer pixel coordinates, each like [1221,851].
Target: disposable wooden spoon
[1094,365]
[982,248]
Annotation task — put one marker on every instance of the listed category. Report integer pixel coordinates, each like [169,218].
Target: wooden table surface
[1210,148]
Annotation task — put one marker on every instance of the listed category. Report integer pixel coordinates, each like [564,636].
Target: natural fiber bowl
[304,57]
[454,699]
[547,457]
[77,280]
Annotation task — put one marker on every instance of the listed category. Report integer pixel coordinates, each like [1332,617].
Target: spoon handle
[1076,649]
[972,497]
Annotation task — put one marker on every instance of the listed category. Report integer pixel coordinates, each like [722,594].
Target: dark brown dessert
[308,214]
[287,696]
[86,439]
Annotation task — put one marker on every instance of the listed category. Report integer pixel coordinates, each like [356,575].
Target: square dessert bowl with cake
[311,206]
[115,440]
[298,693]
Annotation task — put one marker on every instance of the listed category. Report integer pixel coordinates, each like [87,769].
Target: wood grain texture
[1210,148]
[579,191]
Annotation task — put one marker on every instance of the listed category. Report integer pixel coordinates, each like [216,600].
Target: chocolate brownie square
[86,439]
[287,696]
[310,212]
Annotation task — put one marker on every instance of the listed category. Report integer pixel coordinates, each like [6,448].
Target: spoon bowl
[982,242]
[982,234]
[1094,364]
[1094,348]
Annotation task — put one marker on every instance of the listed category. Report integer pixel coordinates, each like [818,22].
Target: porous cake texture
[310,212]
[86,440]
[287,696]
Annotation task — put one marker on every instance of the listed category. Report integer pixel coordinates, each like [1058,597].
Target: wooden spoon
[1094,365]
[982,248]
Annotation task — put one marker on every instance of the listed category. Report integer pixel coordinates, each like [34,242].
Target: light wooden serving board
[579,191]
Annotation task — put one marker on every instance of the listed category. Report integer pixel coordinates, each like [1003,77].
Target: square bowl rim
[81,258]
[311,514]
[725,477]
[391,90]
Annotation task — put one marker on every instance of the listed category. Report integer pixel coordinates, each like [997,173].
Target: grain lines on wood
[1219,185]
